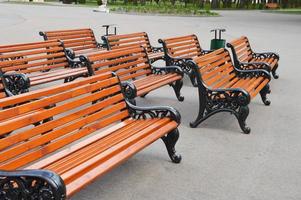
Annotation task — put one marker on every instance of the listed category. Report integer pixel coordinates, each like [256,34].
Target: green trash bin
[217,43]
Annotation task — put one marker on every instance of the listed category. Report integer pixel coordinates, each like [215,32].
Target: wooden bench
[134,39]
[92,131]
[178,50]
[77,41]
[245,58]
[272,6]
[223,88]
[133,65]
[39,62]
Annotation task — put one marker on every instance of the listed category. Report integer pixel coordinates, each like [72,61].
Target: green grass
[166,9]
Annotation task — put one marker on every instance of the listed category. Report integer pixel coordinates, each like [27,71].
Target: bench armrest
[129,90]
[15,84]
[31,184]
[237,95]
[206,51]
[157,49]
[253,73]
[257,65]
[267,55]
[167,69]
[138,112]
[101,45]
[69,53]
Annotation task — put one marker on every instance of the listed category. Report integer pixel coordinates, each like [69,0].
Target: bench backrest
[185,46]
[241,49]
[129,64]
[215,67]
[128,41]
[32,57]
[75,39]
[77,109]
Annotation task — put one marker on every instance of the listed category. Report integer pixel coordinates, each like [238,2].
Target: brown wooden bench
[245,58]
[134,39]
[133,65]
[77,41]
[223,88]
[93,130]
[39,62]
[272,6]
[178,50]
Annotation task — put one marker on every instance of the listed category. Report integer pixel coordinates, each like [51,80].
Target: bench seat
[245,58]
[92,130]
[224,88]
[46,77]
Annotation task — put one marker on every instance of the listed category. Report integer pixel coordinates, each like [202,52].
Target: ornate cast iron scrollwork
[15,84]
[169,139]
[157,49]
[129,91]
[137,112]
[31,185]
[252,73]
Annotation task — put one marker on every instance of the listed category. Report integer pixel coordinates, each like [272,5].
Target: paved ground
[219,163]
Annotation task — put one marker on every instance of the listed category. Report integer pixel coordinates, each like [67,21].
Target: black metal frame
[258,65]
[232,100]
[32,185]
[171,138]
[181,62]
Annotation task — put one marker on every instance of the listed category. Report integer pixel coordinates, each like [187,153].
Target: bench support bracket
[170,141]
[234,101]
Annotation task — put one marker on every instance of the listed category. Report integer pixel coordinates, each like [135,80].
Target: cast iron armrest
[100,45]
[253,73]
[157,49]
[15,84]
[257,65]
[129,90]
[239,95]
[267,55]
[138,112]
[31,184]
[70,53]
[167,69]
[206,52]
